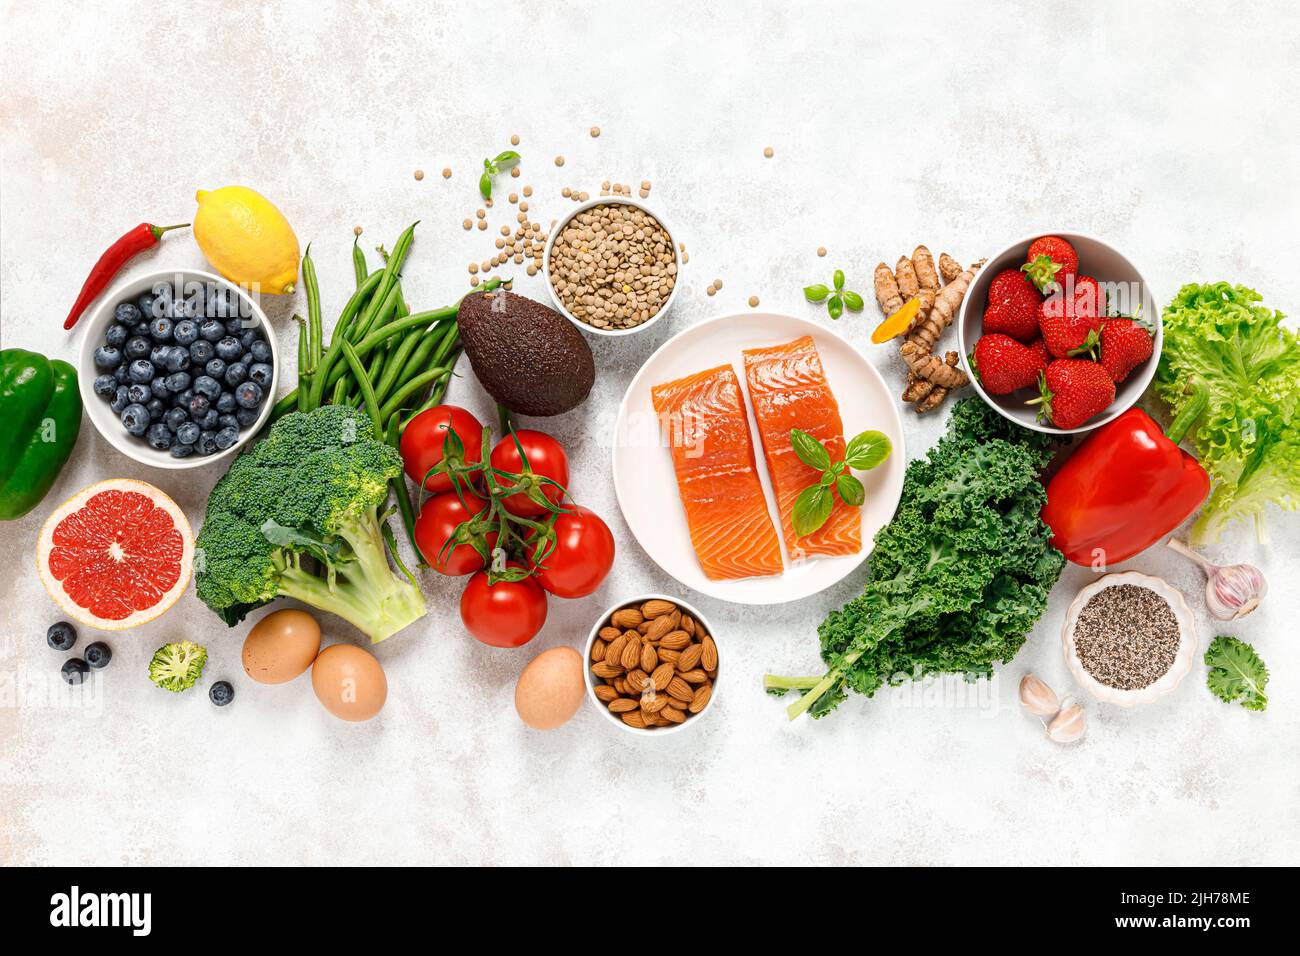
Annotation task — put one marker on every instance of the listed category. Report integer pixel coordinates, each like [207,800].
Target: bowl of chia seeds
[1129,638]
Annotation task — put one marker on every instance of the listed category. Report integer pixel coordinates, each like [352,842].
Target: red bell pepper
[1126,487]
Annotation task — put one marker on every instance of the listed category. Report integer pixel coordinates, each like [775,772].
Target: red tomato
[545,457]
[582,556]
[421,443]
[437,522]
[505,614]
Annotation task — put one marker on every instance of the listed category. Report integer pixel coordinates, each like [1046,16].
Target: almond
[668,654]
[620,685]
[606,670]
[693,677]
[675,640]
[657,608]
[614,650]
[633,718]
[627,617]
[688,624]
[636,681]
[701,698]
[690,658]
[598,652]
[676,618]
[658,628]
[673,714]
[709,654]
[631,653]
[649,659]
[657,721]
[605,693]
[653,703]
[607,634]
[662,675]
[680,689]
[621,705]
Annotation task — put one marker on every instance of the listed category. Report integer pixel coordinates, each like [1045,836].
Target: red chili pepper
[142,237]
[1126,487]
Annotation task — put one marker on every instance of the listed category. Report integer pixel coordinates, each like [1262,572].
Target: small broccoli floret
[175,667]
[298,516]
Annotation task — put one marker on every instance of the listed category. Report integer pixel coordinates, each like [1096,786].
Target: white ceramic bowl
[1187,645]
[590,678]
[106,422]
[1103,263]
[559,228]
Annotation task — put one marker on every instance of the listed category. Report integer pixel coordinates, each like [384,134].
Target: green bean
[285,405]
[341,391]
[315,335]
[359,262]
[410,388]
[370,317]
[429,340]
[324,378]
[367,393]
[355,304]
[303,362]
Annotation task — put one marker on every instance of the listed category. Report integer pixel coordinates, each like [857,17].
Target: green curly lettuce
[1236,673]
[1220,344]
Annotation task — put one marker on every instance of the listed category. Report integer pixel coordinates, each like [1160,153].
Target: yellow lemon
[246,238]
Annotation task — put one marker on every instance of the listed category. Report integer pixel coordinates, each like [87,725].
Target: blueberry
[161,329]
[182,399]
[137,393]
[116,336]
[248,337]
[61,636]
[173,418]
[127,313]
[235,325]
[142,371]
[226,437]
[227,421]
[221,693]
[209,420]
[158,354]
[208,387]
[156,409]
[260,373]
[207,443]
[177,359]
[246,417]
[216,368]
[120,401]
[159,436]
[236,373]
[226,403]
[211,330]
[182,451]
[261,351]
[199,406]
[248,395]
[229,348]
[107,357]
[145,303]
[105,386]
[158,387]
[74,671]
[137,347]
[135,418]
[140,329]
[122,374]
[201,352]
[187,433]
[98,655]
[185,332]
[177,381]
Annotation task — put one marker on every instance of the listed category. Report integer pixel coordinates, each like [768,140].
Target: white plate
[643,470]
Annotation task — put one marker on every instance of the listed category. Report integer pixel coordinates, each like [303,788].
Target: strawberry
[1067,316]
[1125,344]
[1050,262]
[1003,365]
[1071,391]
[1013,306]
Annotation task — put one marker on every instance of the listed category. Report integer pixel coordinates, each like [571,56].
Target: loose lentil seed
[480,213]
[717,285]
[514,172]
[473,280]
[821,250]
[473,268]
[446,173]
[468,224]
[582,197]
[595,131]
[559,160]
[528,190]
[566,192]
[753,302]
[419,174]
[769,152]
[1126,636]
[482,223]
[514,139]
[711,291]
[513,197]
[505,230]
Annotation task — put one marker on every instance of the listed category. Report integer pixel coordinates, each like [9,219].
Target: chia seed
[1126,636]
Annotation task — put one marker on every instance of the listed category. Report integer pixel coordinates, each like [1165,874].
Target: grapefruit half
[115,555]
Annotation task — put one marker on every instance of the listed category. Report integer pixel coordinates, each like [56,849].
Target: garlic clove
[1069,725]
[1037,698]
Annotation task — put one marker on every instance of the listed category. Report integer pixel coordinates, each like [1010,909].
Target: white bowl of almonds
[612,266]
[652,665]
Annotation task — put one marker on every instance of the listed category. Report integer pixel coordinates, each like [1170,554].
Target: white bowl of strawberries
[1060,333]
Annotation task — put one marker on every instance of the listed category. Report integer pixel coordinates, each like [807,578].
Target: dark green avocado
[526,355]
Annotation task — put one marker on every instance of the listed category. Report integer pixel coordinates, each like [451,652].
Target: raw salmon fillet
[788,389]
[703,418]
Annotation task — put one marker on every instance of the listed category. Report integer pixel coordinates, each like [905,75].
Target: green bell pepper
[40,408]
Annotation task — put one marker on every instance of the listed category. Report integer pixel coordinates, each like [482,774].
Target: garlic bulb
[1069,725]
[1037,698]
[1231,591]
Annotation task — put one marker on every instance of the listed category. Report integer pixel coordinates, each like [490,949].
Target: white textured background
[1167,130]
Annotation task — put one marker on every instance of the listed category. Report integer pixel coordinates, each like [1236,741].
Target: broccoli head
[175,667]
[298,515]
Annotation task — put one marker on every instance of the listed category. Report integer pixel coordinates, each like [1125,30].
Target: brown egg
[550,689]
[281,646]
[349,682]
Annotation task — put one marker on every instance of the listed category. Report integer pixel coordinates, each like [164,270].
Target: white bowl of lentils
[612,266]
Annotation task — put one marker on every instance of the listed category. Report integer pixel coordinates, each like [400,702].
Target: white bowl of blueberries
[178,368]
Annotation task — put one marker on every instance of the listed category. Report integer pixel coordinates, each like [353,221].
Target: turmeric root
[937,393]
[930,367]
[926,333]
[949,267]
[923,262]
[888,297]
[905,273]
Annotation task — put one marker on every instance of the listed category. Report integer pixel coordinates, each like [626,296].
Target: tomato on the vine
[423,438]
[438,521]
[582,555]
[546,458]
[505,614]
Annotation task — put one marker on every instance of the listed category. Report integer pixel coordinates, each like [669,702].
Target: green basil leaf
[839,279]
[867,450]
[506,159]
[828,478]
[851,490]
[835,307]
[815,293]
[853,301]
[811,509]
[485,185]
[810,450]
